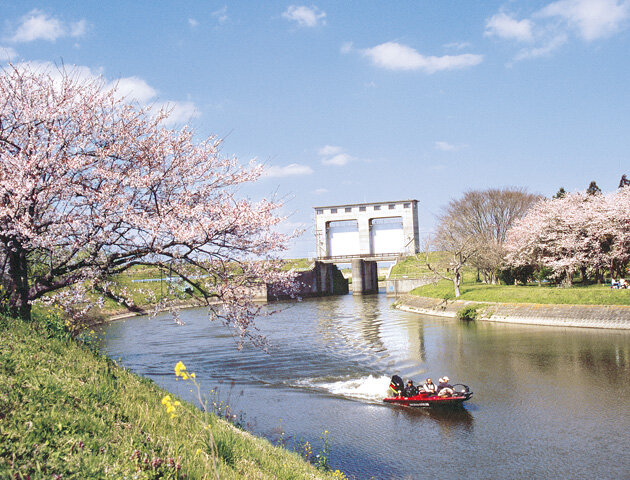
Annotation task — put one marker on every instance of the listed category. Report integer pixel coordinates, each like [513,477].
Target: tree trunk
[584,275]
[567,281]
[18,282]
[457,279]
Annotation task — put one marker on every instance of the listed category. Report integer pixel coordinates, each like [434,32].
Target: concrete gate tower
[364,233]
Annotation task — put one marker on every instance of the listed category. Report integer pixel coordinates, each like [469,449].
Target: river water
[548,402]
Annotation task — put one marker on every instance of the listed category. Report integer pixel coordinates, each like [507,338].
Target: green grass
[298,264]
[546,294]
[68,412]
[145,294]
[416,266]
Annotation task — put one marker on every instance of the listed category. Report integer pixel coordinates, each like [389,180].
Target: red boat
[423,399]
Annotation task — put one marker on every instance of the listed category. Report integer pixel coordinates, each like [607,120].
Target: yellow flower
[199,450]
[192,375]
[166,400]
[179,368]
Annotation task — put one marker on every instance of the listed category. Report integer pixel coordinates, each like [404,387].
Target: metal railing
[361,256]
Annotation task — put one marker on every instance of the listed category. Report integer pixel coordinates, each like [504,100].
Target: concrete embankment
[587,316]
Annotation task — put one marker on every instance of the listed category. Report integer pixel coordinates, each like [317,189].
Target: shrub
[468,313]
[522,275]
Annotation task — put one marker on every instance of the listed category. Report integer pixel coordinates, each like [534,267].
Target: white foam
[366,388]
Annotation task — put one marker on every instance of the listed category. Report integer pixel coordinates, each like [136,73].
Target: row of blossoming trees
[510,234]
[92,184]
[578,232]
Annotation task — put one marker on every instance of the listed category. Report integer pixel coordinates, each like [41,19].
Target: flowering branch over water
[92,185]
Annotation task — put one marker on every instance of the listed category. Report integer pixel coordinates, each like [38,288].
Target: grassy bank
[415,266]
[68,412]
[145,286]
[546,294]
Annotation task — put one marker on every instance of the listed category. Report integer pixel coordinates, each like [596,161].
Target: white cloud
[221,14]
[179,112]
[288,170]
[193,23]
[7,54]
[338,160]
[593,19]
[333,155]
[78,29]
[395,56]
[553,25]
[329,150]
[504,26]
[458,45]
[320,191]
[134,89]
[445,146]
[37,25]
[346,47]
[305,16]
[76,72]
[544,49]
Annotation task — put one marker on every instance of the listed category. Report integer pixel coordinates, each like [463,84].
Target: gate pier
[364,277]
[366,233]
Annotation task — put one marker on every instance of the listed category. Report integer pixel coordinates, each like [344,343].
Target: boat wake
[369,388]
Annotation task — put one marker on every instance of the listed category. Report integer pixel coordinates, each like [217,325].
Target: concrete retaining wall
[398,286]
[587,316]
[323,279]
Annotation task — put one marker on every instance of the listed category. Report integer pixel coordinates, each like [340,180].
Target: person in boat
[410,389]
[444,388]
[397,386]
[429,387]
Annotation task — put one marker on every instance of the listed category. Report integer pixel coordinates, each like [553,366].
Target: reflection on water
[548,403]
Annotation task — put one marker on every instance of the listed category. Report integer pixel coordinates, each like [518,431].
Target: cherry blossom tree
[91,185]
[578,231]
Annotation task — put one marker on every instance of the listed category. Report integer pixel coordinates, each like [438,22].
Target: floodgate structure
[362,234]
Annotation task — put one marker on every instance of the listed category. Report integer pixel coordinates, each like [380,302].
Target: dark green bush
[468,313]
[522,275]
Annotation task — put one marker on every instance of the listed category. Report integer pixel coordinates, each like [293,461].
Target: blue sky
[351,102]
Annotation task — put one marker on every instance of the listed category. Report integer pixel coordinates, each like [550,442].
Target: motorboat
[461,393]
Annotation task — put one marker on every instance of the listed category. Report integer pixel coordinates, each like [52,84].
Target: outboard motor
[397,385]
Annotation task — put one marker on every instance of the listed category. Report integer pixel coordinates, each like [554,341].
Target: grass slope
[67,412]
[415,266]
[479,292]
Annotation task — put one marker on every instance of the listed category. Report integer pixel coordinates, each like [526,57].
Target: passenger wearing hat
[444,388]
[410,389]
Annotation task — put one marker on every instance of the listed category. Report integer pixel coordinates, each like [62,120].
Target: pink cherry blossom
[574,232]
[91,185]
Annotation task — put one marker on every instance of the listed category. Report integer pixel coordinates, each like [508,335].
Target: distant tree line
[511,235]
[474,228]
[586,232]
